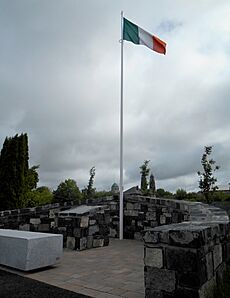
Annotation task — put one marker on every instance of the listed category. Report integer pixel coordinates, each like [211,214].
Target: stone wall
[186,259]
[142,213]
[84,227]
[37,219]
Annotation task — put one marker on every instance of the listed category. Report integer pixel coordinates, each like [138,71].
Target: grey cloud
[60,78]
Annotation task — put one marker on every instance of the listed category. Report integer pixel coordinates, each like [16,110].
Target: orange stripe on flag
[159,45]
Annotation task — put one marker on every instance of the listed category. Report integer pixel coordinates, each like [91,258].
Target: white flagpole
[121,136]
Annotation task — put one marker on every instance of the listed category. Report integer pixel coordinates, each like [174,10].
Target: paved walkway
[113,271]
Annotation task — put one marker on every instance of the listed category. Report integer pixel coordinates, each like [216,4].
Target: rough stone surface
[153,257]
[35,221]
[195,251]
[210,267]
[24,227]
[160,279]
[217,255]
[70,244]
[207,289]
[98,242]
[84,222]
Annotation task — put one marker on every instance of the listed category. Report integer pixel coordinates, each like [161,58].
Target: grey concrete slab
[28,250]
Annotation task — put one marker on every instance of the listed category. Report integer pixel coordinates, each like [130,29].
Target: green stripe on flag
[130,31]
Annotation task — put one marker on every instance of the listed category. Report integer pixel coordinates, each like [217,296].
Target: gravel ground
[15,286]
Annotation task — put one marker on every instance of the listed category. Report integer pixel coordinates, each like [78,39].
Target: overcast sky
[60,83]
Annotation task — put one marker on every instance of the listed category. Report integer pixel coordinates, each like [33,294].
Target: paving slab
[112,271]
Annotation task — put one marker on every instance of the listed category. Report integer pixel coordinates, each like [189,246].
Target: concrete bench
[28,250]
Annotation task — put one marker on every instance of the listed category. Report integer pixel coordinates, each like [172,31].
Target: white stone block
[28,250]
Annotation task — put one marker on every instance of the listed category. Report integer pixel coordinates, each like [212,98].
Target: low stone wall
[84,227]
[36,219]
[142,213]
[186,259]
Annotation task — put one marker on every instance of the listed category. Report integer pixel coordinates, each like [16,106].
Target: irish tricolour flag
[137,35]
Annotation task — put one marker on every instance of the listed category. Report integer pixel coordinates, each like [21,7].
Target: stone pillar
[184,260]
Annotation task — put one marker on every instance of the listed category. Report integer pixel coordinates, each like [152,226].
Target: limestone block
[77,232]
[70,243]
[52,212]
[92,222]
[138,236]
[28,250]
[131,212]
[83,243]
[181,259]
[167,214]
[217,255]
[175,217]
[137,206]
[151,216]
[62,229]
[153,257]
[209,265]
[56,222]
[93,230]
[220,272]
[24,227]
[89,242]
[207,289]
[186,292]
[153,224]
[113,207]
[150,293]
[160,279]
[151,237]
[129,206]
[162,220]
[112,232]
[84,222]
[98,242]
[35,221]
[185,238]
[43,227]
[139,223]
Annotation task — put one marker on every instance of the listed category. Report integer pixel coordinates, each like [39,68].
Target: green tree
[207,180]
[144,171]
[152,184]
[181,194]
[161,193]
[90,191]
[15,175]
[67,191]
[39,196]
[32,177]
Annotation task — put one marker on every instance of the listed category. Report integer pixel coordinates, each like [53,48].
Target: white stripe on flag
[145,38]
